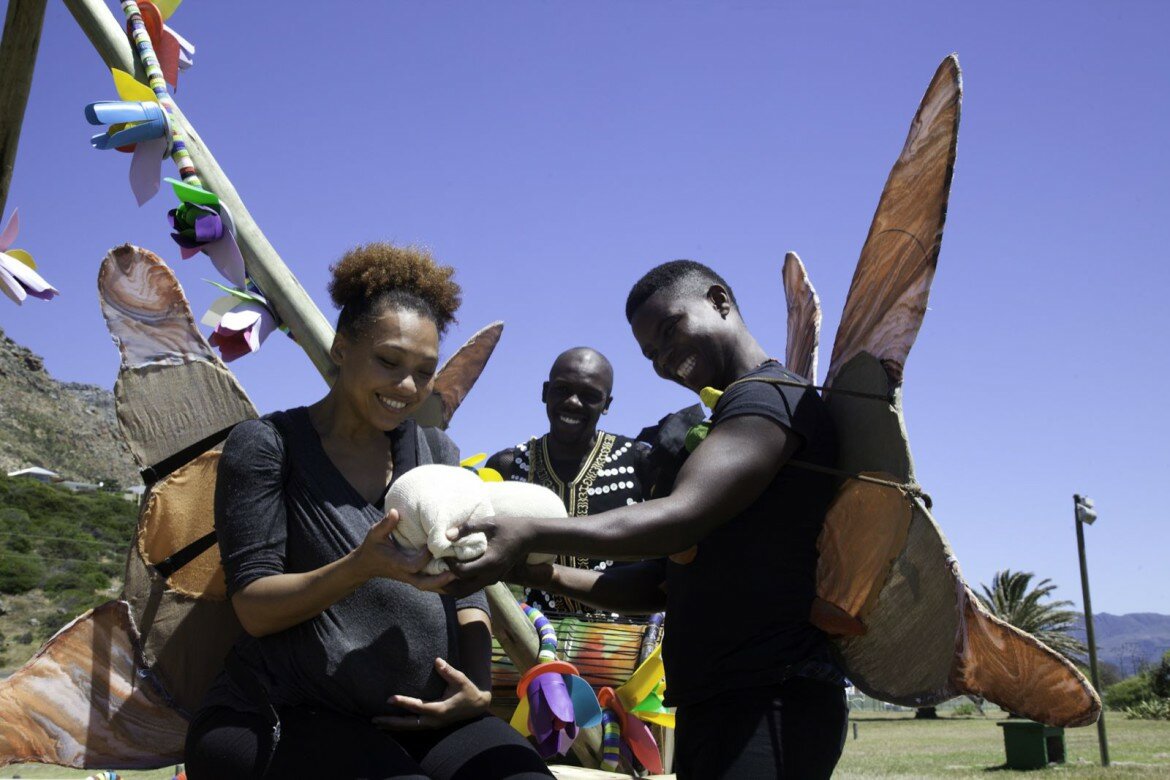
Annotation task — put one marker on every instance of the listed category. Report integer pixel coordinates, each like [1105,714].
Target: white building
[37,473]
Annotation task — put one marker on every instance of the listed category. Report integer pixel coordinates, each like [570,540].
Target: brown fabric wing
[907,652]
[172,391]
[1019,672]
[865,531]
[180,510]
[911,623]
[184,640]
[146,311]
[86,701]
[887,299]
[804,319]
[457,376]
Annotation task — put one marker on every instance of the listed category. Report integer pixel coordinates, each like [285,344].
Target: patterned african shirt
[613,474]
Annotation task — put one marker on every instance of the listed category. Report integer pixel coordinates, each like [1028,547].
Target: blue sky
[553,152]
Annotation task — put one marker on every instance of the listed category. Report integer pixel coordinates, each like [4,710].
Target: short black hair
[674,275]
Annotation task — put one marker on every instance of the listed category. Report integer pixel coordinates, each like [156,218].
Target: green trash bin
[1031,745]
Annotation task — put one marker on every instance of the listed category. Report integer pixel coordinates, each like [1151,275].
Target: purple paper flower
[209,229]
[194,226]
[550,717]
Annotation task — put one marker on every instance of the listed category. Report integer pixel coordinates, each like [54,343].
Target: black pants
[792,730]
[223,744]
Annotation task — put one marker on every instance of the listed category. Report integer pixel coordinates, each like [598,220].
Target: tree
[1160,677]
[1011,599]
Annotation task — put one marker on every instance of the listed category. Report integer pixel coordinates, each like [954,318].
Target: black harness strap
[181,558]
[152,474]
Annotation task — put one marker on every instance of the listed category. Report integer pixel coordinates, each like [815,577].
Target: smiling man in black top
[589,469]
[757,695]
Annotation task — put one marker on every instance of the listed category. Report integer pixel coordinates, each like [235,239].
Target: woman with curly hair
[352,664]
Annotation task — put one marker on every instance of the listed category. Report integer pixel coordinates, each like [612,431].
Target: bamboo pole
[18,56]
[312,331]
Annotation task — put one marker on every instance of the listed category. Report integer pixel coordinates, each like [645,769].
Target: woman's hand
[461,701]
[380,556]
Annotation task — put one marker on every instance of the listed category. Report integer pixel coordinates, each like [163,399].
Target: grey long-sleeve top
[282,506]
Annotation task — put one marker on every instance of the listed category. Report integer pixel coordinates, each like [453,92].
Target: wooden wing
[457,376]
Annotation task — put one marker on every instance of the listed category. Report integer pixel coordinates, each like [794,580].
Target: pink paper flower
[242,330]
[18,276]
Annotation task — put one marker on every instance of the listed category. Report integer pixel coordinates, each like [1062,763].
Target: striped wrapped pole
[546,632]
[611,743]
[154,76]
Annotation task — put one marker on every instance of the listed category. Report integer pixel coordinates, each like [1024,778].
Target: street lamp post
[1085,514]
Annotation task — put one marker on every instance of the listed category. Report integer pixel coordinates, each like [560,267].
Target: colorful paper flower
[487,473]
[137,123]
[202,223]
[555,701]
[630,708]
[18,272]
[242,320]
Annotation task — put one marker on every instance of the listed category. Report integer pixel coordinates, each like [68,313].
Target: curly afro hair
[369,278]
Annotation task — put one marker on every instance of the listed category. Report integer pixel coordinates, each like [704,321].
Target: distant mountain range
[65,427]
[1129,641]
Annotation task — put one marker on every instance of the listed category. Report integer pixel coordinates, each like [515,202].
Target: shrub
[1150,709]
[86,577]
[20,572]
[19,543]
[964,710]
[1129,692]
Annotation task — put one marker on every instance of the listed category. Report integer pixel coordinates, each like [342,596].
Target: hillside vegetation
[60,554]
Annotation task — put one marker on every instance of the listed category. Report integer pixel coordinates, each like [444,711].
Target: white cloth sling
[432,499]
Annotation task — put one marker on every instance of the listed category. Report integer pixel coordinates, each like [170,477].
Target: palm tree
[1010,599]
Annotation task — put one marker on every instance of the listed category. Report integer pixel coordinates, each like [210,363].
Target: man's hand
[461,701]
[531,575]
[506,537]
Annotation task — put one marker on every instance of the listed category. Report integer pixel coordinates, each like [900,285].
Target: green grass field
[897,746]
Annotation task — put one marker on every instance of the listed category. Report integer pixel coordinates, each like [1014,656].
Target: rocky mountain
[1129,641]
[65,427]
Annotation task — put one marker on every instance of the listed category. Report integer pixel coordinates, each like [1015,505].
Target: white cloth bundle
[434,498]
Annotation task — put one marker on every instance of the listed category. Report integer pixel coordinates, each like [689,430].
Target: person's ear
[719,298]
[338,348]
[608,401]
[544,393]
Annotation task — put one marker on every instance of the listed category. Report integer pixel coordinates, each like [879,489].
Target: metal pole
[1104,744]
